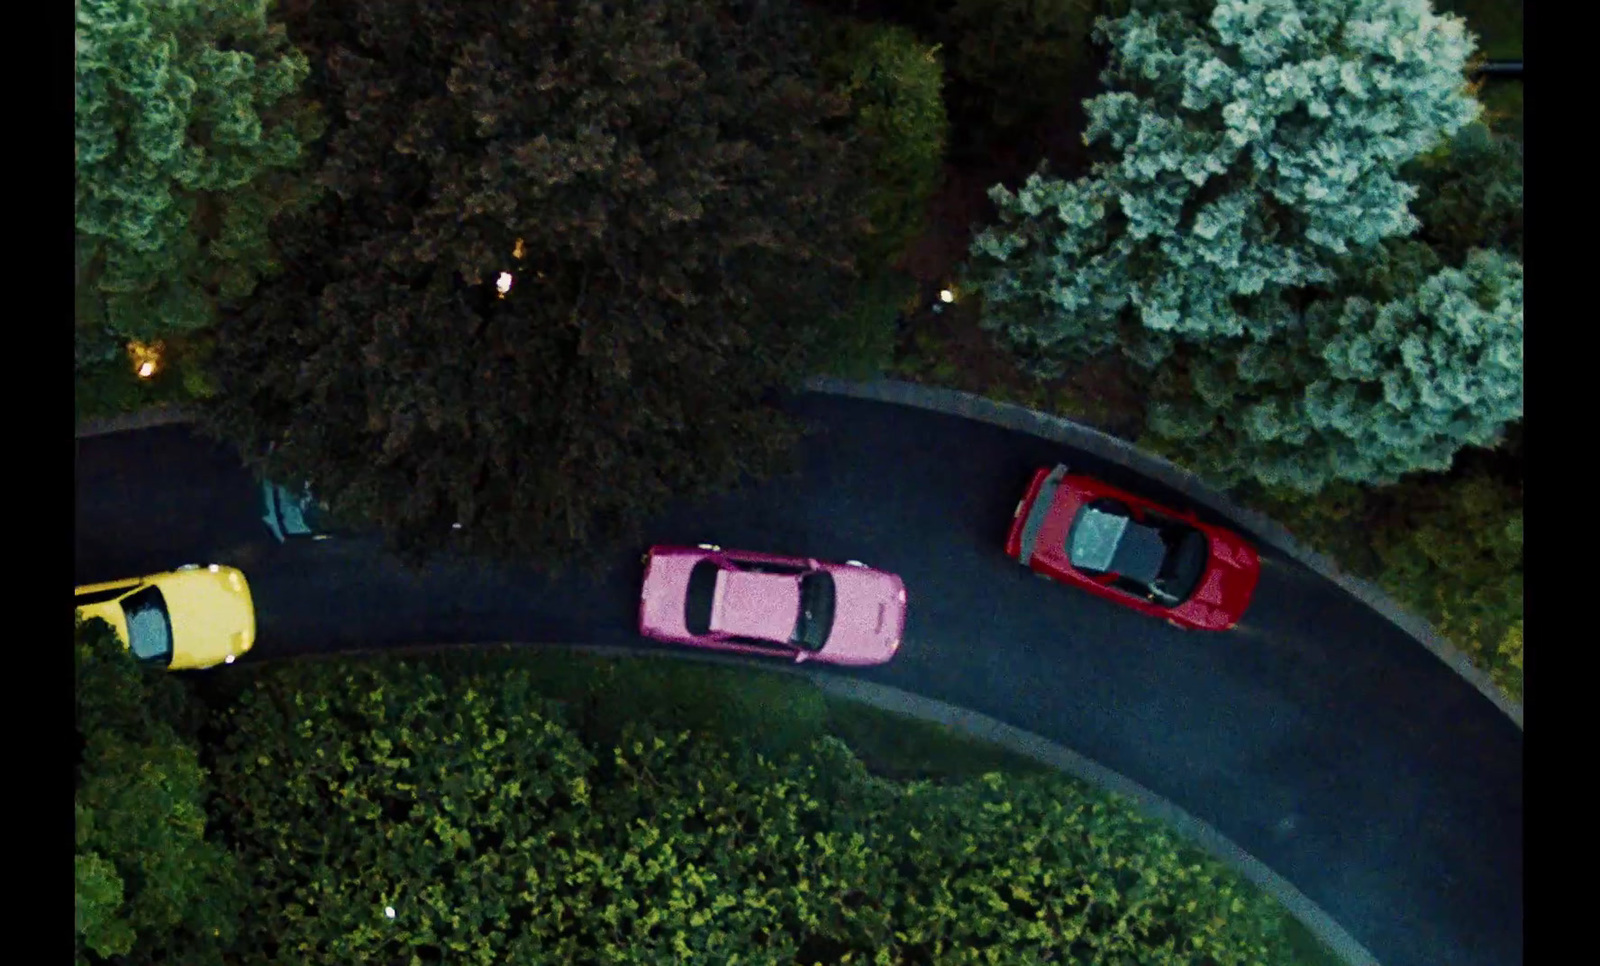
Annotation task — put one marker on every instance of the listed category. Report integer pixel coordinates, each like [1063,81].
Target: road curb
[128,422]
[1060,430]
[981,727]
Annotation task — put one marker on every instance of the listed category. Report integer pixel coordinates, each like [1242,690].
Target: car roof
[1140,554]
[764,606]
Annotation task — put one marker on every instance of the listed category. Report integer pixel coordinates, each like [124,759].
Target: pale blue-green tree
[1364,388]
[188,131]
[1248,144]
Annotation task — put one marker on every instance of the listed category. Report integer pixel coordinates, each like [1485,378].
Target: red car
[757,603]
[1159,561]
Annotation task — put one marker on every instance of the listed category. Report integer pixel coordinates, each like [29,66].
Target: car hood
[213,616]
[1227,586]
[869,617]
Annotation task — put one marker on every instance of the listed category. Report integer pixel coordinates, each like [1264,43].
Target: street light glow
[945,295]
[146,358]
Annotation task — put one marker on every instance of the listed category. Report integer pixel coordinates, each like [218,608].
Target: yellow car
[193,617]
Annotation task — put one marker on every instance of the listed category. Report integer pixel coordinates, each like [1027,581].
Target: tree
[1015,61]
[1469,194]
[898,128]
[145,873]
[1365,388]
[188,133]
[893,82]
[568,253]
[1251,143]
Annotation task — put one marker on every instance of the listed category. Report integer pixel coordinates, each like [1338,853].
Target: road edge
[977,726]
[128,422]
[1059,429]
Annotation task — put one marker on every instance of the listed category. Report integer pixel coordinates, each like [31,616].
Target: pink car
[757,603]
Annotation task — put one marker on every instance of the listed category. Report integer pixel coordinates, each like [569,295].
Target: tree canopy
[1249,241]
[145,875]
[188,126]
[1365,388]
[566,254]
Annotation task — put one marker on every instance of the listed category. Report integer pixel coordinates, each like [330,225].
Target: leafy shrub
[146,877]
[461,803]
[893,82]
[858,340]
[1470,194]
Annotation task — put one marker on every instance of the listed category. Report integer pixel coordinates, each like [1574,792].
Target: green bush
[858,340]
[893,81]
[460,802]
[146,877]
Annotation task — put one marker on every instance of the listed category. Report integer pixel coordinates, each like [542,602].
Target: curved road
[1319,737]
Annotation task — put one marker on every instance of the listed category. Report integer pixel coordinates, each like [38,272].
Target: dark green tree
[147,879]
[568,252]
[189,129]
[1470,194]
[898,128]
[1015,62]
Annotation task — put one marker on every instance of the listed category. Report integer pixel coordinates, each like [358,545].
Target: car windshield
[697,602]
[1095,533]
[816,611]
[149,626]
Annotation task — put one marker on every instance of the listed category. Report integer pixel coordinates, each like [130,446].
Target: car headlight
[229,659]
[236,581]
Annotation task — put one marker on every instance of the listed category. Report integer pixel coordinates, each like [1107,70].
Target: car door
[750,645]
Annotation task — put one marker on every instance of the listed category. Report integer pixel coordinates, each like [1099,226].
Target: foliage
[1470,194]
[857,341]
[893,82]
[1250,144]
[1018,60]
[1498,24]
[188,131]
[665,187]
[1455,554]
[1365,388]
[460,801]
[145,874]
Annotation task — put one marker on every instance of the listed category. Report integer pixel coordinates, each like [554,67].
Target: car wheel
[709,546]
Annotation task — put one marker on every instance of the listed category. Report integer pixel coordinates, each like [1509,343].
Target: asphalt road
[1317,736]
